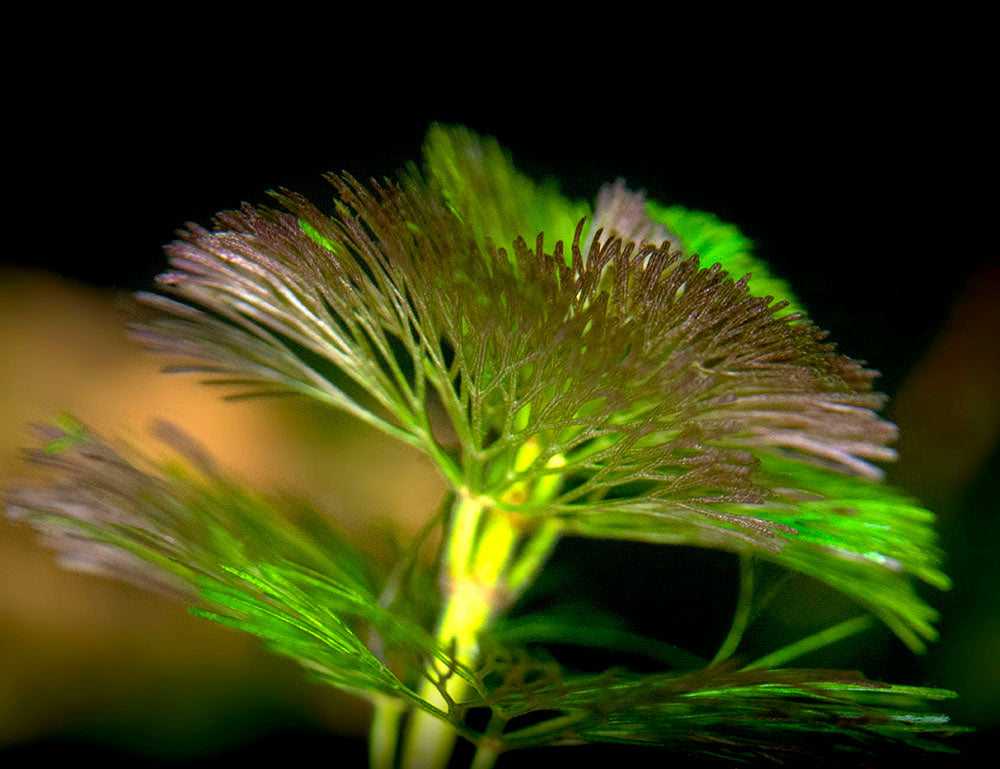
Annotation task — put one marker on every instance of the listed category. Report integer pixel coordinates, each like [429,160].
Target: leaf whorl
[651,387]
[631,362]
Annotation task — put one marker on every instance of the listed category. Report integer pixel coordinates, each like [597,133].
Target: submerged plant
[599,380]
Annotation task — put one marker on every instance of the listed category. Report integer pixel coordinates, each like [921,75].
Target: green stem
[484,568]
[484,758]
[384,733]
[475,556]
[741,616]
[812,643]
[462,536]
[533,556]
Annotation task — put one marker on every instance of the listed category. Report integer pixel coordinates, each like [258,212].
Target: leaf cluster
[289,578]
[667,402]
[721,711]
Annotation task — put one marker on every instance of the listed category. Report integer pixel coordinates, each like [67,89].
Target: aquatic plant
[628,371]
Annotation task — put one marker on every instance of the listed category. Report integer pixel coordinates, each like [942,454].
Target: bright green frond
[480,184]
[714,241]
[868,520]
[860,537]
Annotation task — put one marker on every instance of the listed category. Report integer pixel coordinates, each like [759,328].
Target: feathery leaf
[657,394]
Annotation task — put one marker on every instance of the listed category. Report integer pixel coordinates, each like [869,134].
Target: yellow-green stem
[480,576]
[484,759]
[480,543]
[384,733]
[462,535]
[533,556]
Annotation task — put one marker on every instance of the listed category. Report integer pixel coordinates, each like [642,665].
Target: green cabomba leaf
[716,241]
[597,378]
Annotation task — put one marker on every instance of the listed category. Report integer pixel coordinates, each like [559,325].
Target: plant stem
[741,616]
[812,643]
[473,565]
[484,759]
[533,556]
[487,563]
[384,733]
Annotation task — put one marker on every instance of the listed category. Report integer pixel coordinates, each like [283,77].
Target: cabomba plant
[601,380]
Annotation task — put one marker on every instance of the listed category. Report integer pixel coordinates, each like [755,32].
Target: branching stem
[468,607]
[489,559]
